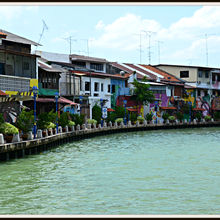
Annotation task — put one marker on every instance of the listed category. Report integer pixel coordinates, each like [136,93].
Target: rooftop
[18,39]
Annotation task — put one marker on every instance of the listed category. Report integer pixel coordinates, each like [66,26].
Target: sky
[124,33]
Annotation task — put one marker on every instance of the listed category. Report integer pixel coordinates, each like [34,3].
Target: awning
[110,110]
[198,109]
[61,100]
[168,108]
[132,109]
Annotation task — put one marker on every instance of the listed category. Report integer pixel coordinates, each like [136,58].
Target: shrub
[165,116]
[78,119]
[7,128]
[119,120]
[71,123]
[64,119]
[179,116]
[216,115]
[198,115]
[172,118]
[51,125]
[149,116]
[133,117]
[25,121]
[120,112]
[140,119]
[91,121]
[208,118]
[111,116]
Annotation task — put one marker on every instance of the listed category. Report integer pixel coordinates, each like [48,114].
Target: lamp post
[190,103]
[56,98]
[35,113]
[101,102]
[80,102]
[156,106]
[125,120]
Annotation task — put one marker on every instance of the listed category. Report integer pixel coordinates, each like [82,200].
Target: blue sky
[188,35]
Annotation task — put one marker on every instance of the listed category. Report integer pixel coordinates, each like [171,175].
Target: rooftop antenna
[149,33]
[41,35]
[158,43]
[69,39]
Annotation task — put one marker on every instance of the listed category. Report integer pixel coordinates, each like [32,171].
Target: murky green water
[149,172]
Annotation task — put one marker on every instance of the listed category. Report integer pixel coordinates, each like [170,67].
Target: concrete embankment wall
[23,148]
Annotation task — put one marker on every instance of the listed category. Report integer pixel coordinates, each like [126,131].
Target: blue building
[118,87]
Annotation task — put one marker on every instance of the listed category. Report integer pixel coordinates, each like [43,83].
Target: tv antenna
[69,39]
[44,27]
[149,33]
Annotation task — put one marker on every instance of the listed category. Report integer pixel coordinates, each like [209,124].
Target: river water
[138,173]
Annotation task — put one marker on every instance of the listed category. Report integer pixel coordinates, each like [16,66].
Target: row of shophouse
[83,81]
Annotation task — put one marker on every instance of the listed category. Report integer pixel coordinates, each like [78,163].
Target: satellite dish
[122,73]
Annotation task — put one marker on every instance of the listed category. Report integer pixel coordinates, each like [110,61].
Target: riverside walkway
[20,149]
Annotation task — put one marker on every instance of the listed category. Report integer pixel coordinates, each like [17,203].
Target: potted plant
[180,116]
[133,117]
[71,124]
[25,122]
[8,130]
[140,119]
[149,117]
[119,121]
[208,118]
[93,122]
[165,117]
[172,118]
[50,125]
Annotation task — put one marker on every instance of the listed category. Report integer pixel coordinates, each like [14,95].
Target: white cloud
[183,39]
[123,32]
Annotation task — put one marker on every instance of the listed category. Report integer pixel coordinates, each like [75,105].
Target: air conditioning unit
[78,107]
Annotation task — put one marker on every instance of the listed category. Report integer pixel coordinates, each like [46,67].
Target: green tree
[142,92]
[97,113]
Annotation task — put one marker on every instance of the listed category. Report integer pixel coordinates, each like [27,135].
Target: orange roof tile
[167,76]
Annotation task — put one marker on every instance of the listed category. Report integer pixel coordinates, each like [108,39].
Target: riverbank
[21,149]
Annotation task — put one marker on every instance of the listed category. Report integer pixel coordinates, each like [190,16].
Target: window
[96,66]
[96,86]
[207,74]
[78,63]
[113,88]
[96,94]
[200,73]
[109,88]
[87,86]
[26,66]
[102,86]
[199,93]
[184,74]
[218,78]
